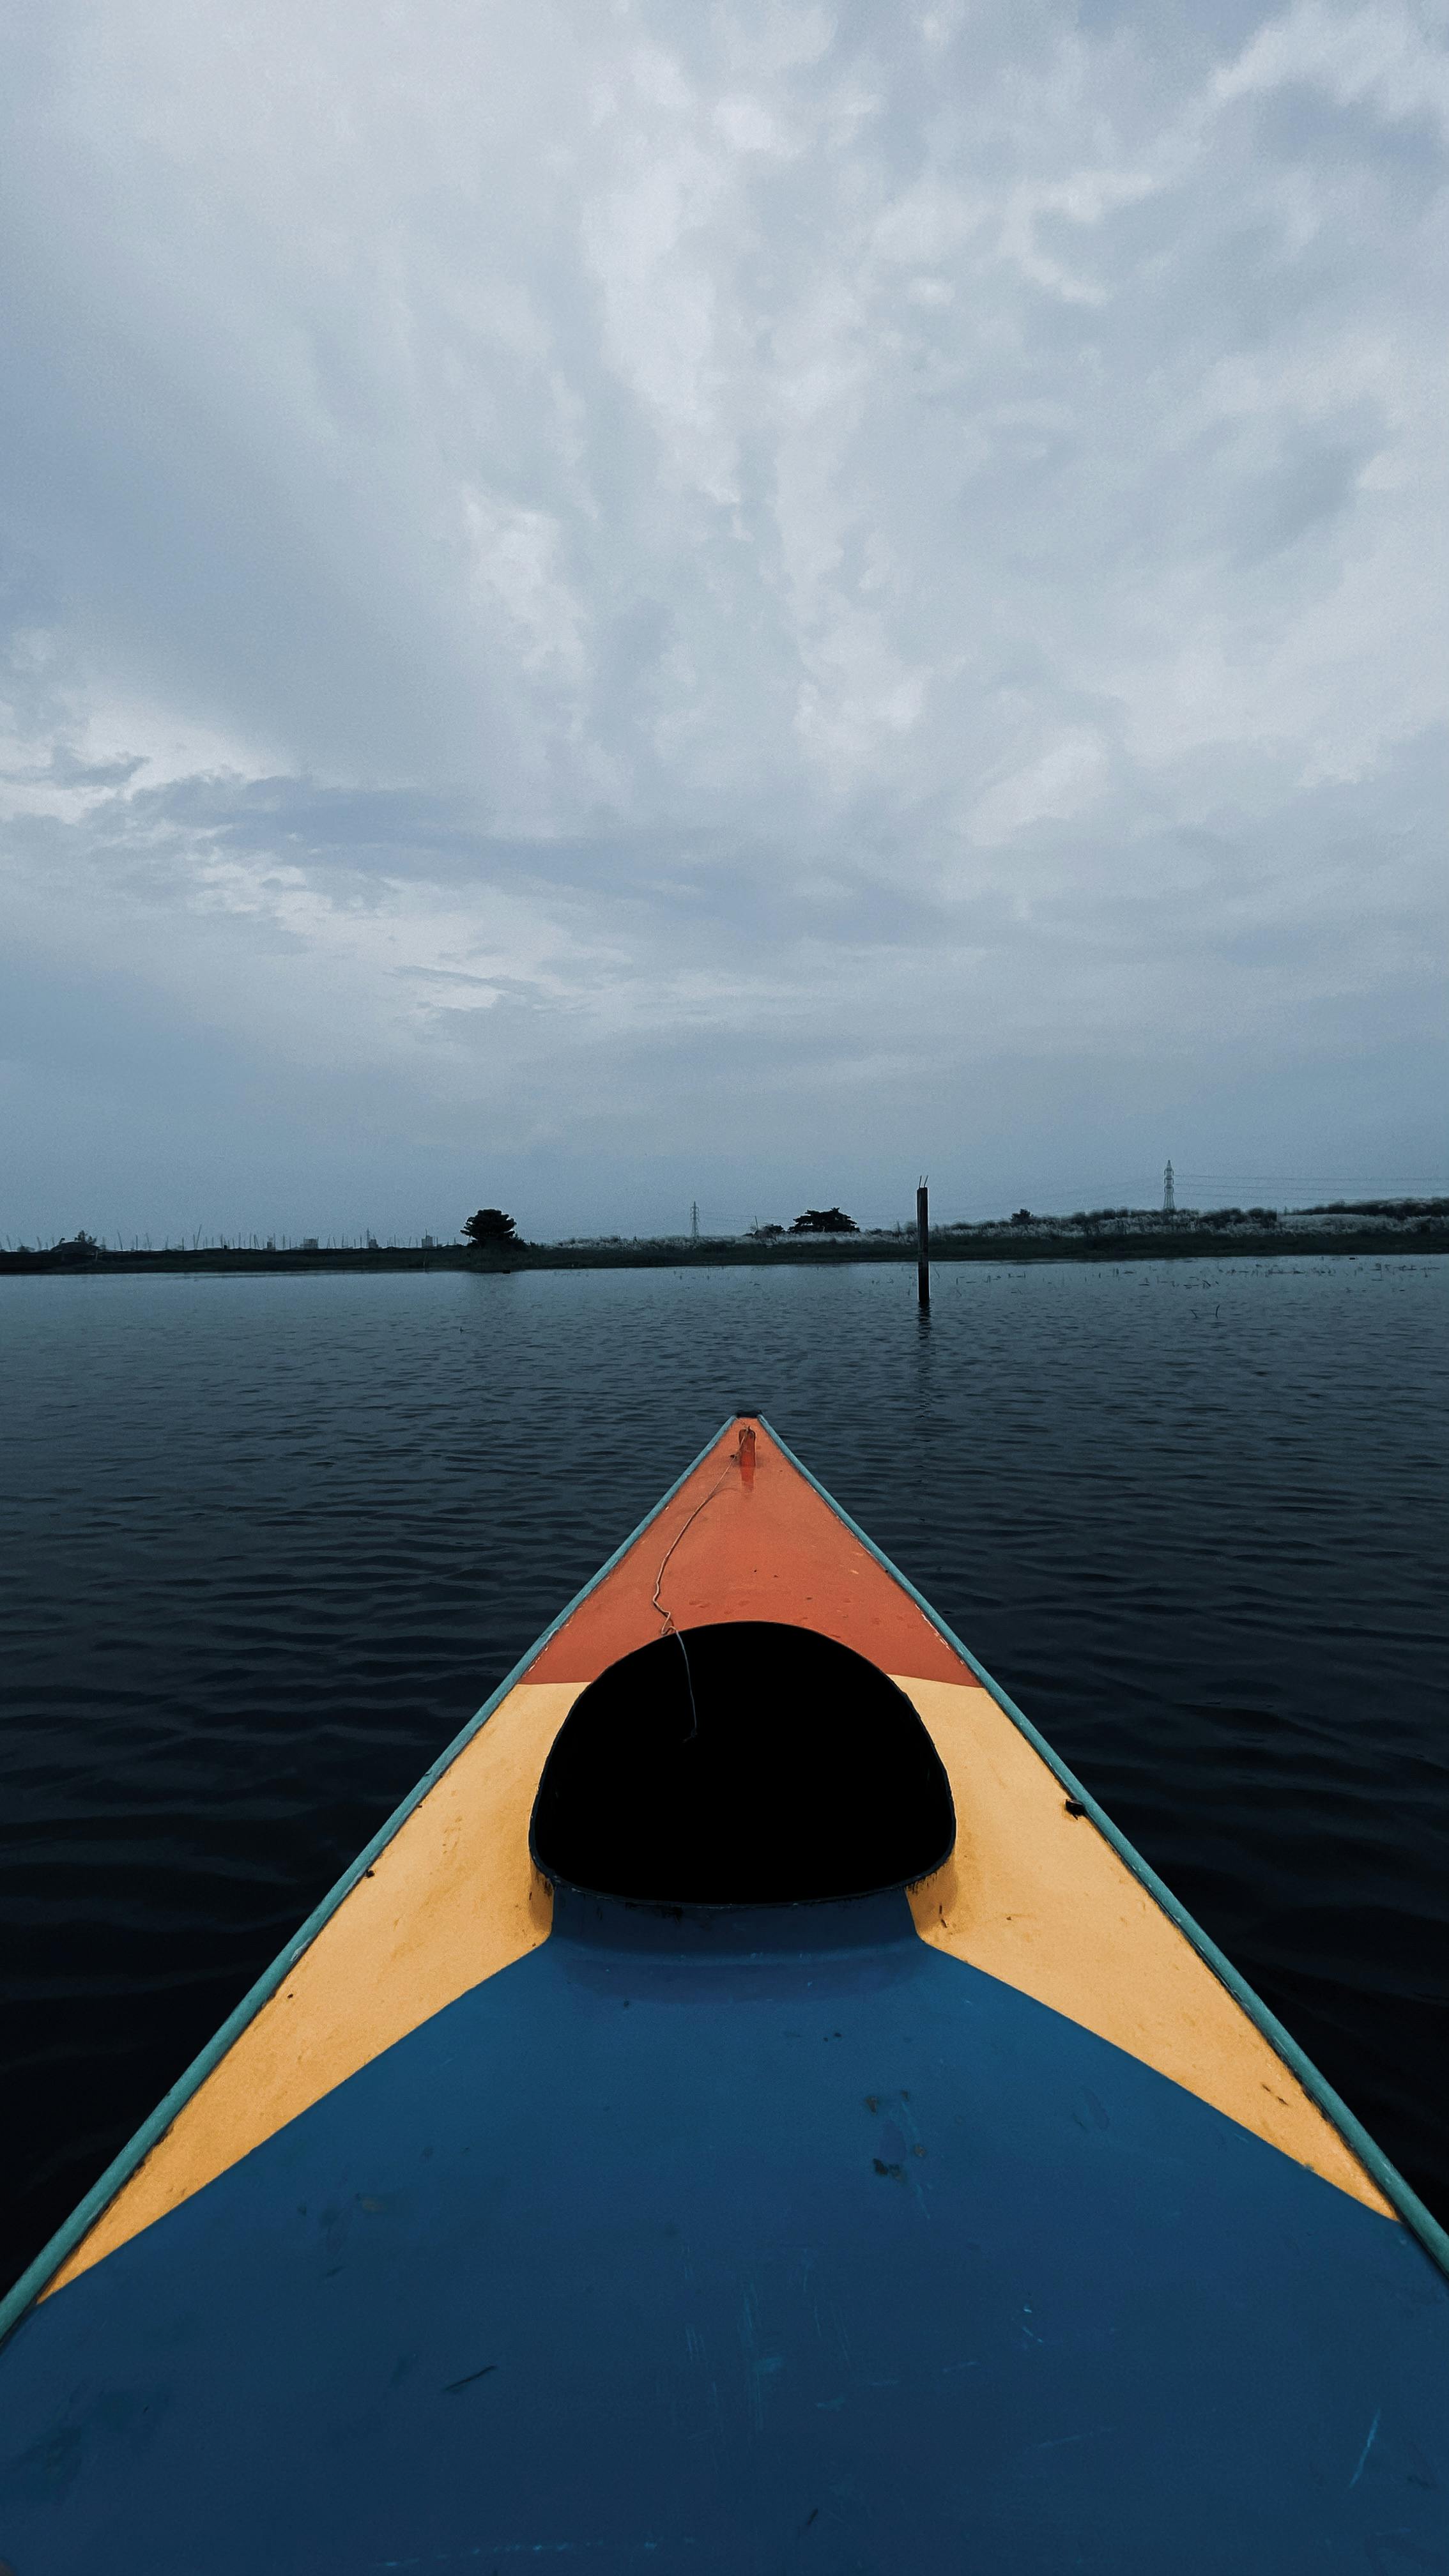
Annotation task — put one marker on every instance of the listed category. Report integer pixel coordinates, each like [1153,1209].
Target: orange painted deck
[769,1549]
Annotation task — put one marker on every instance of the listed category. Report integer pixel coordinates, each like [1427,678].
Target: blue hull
[734,2244]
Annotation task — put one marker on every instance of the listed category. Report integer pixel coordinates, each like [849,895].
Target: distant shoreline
[1190,1244]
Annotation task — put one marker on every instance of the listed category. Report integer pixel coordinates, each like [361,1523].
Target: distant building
[1169,1195]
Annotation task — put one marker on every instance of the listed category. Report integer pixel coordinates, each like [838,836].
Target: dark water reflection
[267,1543]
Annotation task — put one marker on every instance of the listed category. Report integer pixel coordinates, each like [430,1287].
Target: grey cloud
[670,557]
[68,771]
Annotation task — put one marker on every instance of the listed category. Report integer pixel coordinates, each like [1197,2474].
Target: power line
[1320,1180]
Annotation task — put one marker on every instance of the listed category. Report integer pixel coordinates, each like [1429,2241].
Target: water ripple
[269,1542]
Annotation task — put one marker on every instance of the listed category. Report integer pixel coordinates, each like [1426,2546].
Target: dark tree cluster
[1381,1207]
[489,1229]
[825,1221]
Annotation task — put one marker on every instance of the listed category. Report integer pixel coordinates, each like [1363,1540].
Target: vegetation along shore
[490,1242]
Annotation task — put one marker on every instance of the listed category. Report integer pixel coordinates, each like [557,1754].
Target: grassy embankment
[1042,1241]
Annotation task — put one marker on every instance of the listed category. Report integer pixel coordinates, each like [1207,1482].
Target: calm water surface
[267,1543]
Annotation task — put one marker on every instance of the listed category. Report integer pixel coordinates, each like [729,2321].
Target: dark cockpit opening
[744,1764]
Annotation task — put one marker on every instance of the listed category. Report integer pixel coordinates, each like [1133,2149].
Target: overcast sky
[612,604]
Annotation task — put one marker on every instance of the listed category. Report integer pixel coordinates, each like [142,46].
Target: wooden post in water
[923,1247]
